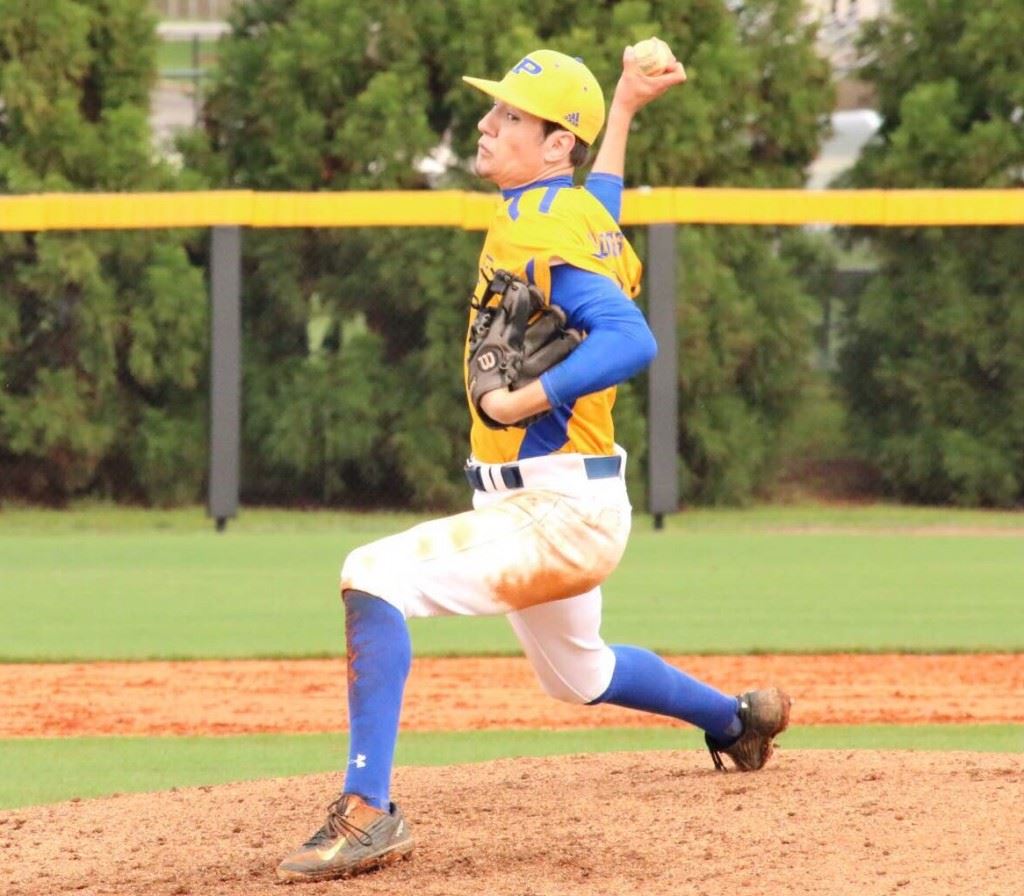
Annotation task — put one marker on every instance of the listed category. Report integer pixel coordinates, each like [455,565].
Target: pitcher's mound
[813,823]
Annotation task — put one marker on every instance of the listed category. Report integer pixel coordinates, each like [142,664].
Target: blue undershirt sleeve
[619,342]
[606,189]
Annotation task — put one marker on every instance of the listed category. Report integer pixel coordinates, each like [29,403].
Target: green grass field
[125,585]
[103,583]
[46,771]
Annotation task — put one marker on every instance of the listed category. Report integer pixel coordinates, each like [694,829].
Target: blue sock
[643,680]
[379,657]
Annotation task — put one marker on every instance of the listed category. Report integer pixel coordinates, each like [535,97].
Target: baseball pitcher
[552,328]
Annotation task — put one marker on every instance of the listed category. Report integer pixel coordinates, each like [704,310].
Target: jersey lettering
[609,244]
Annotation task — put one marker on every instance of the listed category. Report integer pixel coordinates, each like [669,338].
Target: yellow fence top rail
[473,211]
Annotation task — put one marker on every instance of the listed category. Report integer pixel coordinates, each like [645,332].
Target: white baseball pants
[537,554]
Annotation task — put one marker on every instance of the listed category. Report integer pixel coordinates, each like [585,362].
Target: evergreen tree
[102,335]
[933,366]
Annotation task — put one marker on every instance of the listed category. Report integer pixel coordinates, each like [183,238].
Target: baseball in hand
[653,56]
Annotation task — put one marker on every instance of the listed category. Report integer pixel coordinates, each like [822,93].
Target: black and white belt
[501,477]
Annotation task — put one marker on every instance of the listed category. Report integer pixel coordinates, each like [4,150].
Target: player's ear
[558,146]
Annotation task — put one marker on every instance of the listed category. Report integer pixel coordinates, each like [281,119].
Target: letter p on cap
[527,65]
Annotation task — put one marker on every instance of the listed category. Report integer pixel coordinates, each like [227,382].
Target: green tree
[349,94]
[102,335]
[933,367]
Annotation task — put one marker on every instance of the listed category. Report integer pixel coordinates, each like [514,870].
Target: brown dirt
[223,697]
[814,823]
[825,823]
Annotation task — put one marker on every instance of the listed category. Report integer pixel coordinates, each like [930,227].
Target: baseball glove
[514,340]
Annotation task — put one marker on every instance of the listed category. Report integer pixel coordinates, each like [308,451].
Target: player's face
[512,150]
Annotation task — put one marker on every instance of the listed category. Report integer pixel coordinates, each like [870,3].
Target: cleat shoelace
[338,825]
[716,757]
[716,750]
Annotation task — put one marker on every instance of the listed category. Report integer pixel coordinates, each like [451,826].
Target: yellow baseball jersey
[533,230]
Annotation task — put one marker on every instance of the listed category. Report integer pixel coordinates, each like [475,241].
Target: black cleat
[764,715]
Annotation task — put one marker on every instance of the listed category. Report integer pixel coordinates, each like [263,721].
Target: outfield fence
[472,211]
[661,210]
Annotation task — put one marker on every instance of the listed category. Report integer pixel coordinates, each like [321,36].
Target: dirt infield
[813,823]
[221,697]
[662,824]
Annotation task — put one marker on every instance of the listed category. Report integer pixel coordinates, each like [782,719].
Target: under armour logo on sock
[359,761]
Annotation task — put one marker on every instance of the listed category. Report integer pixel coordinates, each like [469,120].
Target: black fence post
[663,378]
[225,372]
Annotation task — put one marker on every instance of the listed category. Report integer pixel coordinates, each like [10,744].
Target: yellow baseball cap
[554,87]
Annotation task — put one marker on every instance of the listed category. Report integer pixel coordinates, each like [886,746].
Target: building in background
[854,120]
[839,24]
[193,10]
